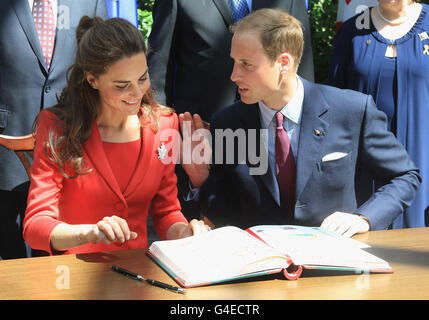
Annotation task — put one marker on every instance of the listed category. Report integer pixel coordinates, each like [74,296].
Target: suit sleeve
[390,164]
[165,206]
[41,215]
[217,198]
[306,68]
[161,49]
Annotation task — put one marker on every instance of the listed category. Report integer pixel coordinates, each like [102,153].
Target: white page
[315,246]
[223,253]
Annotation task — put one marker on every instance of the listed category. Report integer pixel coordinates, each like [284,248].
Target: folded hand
[346,224]
[108,230]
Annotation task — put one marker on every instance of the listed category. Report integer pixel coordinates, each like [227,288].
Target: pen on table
[150,281]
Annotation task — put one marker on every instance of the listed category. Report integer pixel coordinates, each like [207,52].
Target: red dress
[123,159]
[149,189]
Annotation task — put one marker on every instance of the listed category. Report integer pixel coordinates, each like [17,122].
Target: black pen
[135,276]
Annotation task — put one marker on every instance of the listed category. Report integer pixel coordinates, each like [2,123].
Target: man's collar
[292,110]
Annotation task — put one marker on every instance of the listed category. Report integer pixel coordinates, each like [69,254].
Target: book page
[319,247]
[223,253]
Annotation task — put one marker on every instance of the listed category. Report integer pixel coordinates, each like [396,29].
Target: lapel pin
[162,151]
[426,50]
[318,132]
[423,36]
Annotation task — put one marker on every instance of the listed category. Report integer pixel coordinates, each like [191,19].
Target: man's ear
[286,62]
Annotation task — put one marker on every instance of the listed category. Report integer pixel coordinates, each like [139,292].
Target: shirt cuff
[193,193]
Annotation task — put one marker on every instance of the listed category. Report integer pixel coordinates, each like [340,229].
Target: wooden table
[88,276]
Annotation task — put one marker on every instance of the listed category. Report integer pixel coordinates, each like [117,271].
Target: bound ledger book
[231,253]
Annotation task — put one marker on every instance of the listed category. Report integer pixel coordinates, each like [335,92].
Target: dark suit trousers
[12,210]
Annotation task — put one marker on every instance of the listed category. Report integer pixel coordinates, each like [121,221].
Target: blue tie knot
[239,9]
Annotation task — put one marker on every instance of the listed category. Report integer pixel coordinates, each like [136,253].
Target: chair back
[22,145]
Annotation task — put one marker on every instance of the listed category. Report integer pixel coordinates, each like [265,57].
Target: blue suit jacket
[26,86]
[333,120]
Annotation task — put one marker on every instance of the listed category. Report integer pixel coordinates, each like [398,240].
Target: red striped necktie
[285,166]
[43,17]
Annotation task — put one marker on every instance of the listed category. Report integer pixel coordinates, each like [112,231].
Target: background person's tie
[44,21]
[285,166]
[239,9]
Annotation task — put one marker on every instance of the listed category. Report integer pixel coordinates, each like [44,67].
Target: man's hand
[195,148]
[346,224]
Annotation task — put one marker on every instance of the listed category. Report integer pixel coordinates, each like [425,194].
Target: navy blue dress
[400,87]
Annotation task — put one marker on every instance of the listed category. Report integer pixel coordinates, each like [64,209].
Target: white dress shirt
[293,114]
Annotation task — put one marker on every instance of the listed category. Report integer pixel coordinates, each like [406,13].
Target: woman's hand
[182,230]
[66,236]
[108,230]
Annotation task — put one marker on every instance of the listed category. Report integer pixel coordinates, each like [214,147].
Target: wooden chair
[21,145]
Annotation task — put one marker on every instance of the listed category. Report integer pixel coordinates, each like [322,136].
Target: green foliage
[145,17]
[323,15]
[145,4]
[145,22]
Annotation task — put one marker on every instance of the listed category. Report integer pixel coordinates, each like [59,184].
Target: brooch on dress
[423,36]
[162,151]
[426,50]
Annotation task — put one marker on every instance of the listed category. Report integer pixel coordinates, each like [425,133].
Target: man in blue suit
[189,61]
[336,138]
[27,85]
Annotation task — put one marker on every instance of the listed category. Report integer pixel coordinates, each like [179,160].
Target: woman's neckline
[404,36]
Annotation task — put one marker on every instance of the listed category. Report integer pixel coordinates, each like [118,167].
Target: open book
[231,253]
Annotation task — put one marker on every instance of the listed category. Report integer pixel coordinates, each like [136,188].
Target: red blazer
[90,197]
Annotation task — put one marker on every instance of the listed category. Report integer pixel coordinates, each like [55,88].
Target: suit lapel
[95,151]
[312,134]
[60,34]
[145,159]
[253,121]
[23,12]
[225,11]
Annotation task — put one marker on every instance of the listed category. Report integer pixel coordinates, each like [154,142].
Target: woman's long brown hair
[99,44]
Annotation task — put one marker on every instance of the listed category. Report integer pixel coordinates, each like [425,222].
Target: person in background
[97,170]
[384,52]
[306,143]
[32,74]
[349,8]
[189,60]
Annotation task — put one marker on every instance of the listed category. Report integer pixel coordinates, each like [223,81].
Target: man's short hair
[279,32]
